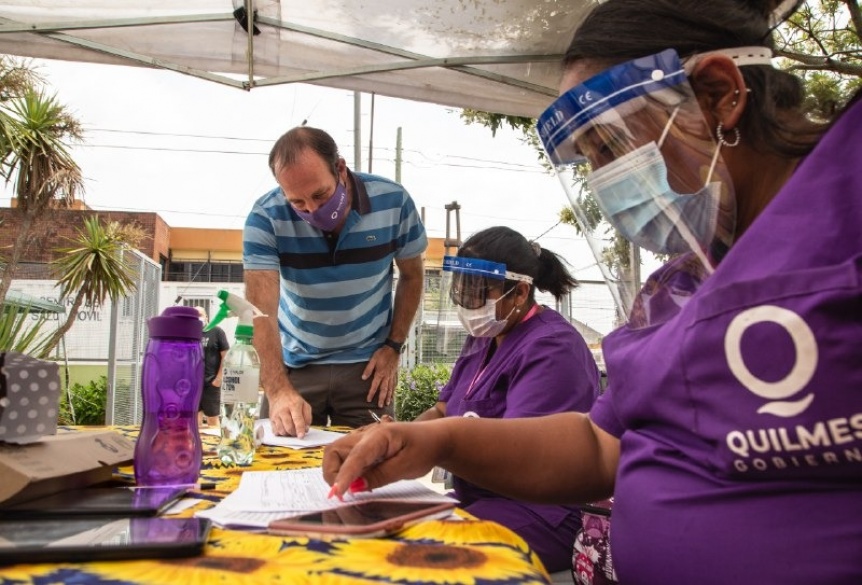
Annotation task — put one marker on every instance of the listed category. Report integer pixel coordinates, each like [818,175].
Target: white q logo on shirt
[805,346]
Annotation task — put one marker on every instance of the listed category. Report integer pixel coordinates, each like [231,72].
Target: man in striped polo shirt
[318,255]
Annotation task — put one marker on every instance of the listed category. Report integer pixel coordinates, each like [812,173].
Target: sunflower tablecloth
[466,551]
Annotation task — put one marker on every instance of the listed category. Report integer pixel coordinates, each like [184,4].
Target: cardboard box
[63,461]
[29,398]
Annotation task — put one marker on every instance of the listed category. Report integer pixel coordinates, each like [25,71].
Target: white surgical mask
[483,322]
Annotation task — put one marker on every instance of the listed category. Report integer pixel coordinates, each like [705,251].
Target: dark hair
[287,148]
[502,244]
[622,30]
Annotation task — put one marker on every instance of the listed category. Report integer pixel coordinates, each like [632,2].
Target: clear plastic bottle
[239,400]
[168,448]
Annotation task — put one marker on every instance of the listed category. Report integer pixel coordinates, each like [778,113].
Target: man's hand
[383,365]
[289,414]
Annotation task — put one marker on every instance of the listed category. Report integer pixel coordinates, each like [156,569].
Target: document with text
[313,438]
[263,496]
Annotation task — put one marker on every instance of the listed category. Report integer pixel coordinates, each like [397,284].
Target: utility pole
[398,157]
[448,243]
[634,269]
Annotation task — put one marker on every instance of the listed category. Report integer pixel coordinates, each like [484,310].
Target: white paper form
[264,496]
[305,490]
[313,438]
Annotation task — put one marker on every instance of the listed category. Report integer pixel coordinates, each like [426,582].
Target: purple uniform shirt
[741,417]
[542,367]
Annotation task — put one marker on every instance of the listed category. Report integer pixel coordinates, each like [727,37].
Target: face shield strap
[742,56]
[667,127]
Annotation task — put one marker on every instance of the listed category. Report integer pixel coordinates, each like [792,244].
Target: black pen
[201,486]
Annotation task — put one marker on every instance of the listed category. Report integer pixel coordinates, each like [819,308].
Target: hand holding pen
[378,454]
[381,419]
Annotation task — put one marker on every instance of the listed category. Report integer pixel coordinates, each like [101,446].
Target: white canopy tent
[492,55]
[500,56]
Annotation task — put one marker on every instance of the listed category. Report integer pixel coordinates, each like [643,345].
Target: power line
[434,160]
[180,135]
[493,166]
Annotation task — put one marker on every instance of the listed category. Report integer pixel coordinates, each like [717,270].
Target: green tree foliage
[84,404]
[21,330]
[419,389]
[93,269]
[821,44]
[35,133]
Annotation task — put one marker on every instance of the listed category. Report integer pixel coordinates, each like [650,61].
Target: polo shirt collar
[360,202]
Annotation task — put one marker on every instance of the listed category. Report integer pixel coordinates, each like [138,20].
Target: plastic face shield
[468,280]
[637,132]
[465,282]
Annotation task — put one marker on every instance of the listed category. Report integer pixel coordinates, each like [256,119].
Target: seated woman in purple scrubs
[731,432]
[521,359]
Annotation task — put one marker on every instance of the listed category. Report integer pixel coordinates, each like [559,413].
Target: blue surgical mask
[635,197]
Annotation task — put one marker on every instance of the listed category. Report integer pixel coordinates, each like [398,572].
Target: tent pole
[357,127]
[371,135]
[249,14]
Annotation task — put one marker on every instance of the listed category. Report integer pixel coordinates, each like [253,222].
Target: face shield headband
[471,278]
[613,94]
[656,171]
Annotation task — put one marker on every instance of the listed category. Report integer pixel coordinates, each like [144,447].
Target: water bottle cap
[177,322]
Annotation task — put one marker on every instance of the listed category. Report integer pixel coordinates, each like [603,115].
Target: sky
[195,152]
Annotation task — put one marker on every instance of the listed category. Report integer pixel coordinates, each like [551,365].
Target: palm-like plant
[21,330]
[94,268]
[34,157]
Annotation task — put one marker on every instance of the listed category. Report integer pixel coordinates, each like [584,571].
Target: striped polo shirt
[336,296]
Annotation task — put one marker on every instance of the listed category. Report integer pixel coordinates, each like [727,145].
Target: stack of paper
[264,496]
[313,438]
[264,435]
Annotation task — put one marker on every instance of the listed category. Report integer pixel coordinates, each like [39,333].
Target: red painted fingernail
[332,493]
[359,485]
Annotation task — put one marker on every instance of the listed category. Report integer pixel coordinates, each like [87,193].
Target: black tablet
[97,501]
[63,540]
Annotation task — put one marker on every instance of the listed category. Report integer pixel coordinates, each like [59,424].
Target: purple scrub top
[741,417]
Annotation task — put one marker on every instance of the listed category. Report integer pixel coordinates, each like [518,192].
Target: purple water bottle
[168,449]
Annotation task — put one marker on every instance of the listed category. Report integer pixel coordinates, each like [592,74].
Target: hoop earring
[719,135]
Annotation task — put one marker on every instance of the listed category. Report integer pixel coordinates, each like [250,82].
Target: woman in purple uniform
[520,359]
[731,431]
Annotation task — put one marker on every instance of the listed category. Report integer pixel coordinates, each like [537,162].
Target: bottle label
[240,384]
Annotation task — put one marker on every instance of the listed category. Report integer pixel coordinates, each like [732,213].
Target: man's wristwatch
[398,347]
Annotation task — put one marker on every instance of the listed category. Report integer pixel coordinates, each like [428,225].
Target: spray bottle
[240,383]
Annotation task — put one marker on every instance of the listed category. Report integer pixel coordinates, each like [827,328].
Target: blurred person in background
[215,346]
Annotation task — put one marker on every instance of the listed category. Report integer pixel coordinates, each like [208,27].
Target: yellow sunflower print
[429,561]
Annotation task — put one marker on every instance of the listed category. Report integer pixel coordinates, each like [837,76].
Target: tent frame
[54,30]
